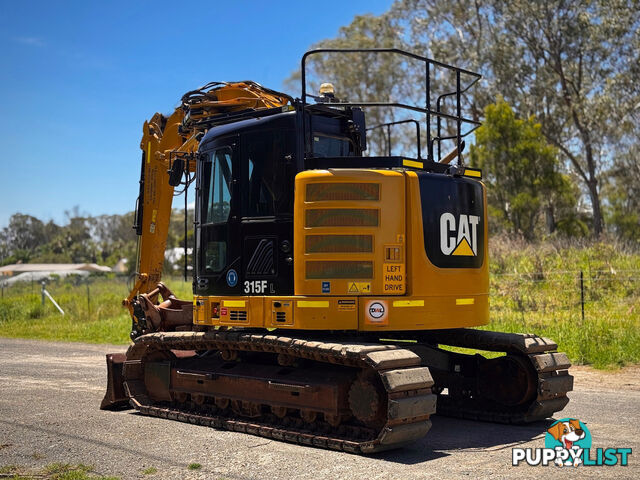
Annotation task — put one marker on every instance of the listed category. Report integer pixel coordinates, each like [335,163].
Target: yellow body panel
[430,298]
[346,313]
[297,312]
[425,278]
[371,220]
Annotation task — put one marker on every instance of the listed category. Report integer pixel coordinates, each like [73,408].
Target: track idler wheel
[335,420]
[508,380]
[181,397]
[365,401]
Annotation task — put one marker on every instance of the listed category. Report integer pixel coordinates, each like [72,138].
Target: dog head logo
[459,236]
[567,433]
[569,437]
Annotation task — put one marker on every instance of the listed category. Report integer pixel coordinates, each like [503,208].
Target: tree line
[102,239]
[559,98]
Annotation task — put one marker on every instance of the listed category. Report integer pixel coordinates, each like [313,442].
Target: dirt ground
[50,392]
[627,378]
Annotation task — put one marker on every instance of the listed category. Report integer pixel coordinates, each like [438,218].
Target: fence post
[582,293]
[43,284]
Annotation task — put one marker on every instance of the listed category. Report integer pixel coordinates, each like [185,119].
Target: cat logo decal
[459,237]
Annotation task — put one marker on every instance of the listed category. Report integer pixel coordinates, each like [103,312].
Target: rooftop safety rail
[430,67]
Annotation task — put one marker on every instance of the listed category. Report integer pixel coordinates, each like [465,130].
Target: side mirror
[176,171]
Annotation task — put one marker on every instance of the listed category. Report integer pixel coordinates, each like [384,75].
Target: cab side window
[216,195]
[268,190]
[217,173]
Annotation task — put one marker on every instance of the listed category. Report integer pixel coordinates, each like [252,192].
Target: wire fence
[77,296]
[562,290]
[550,291]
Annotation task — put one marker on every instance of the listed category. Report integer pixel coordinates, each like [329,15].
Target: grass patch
[55,471]
[5,469]
[534,289]
[95,318]
[537,289]
[194,466]
[150,471]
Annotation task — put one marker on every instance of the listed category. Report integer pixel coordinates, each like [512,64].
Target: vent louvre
[317,192]
[338,243]
[238,315]
[339,269]
[281,317]
[342,217]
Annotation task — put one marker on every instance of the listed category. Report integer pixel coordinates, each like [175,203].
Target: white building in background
[35,272]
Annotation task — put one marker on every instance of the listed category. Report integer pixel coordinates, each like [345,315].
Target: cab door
[217,254]
[266,226]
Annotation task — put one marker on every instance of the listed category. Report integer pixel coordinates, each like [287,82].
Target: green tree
[359,77]
[24,232]
[71,243]
[579,68]
[520,170]
[4,246]
[623,193]
[572,64]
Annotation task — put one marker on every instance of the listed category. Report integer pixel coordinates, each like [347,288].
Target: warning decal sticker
[376,312]
[359,287]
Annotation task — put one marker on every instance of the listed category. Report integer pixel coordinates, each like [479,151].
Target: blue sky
[78,79]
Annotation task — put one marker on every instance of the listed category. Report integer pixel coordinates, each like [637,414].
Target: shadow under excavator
[449,434]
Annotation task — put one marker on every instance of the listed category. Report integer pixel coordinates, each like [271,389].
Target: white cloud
[31,41]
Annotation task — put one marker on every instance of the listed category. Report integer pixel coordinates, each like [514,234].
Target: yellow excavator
[328,286]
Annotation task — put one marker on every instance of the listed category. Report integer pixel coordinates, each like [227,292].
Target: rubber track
[553,380]
[410,401]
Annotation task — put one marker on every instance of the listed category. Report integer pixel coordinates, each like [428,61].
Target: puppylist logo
[568,443]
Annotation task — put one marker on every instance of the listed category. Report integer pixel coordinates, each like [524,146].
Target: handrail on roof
[399,122]
[459,90]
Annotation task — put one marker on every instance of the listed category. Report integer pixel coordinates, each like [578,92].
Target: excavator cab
[245,196]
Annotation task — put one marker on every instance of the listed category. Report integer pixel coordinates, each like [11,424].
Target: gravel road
[50,392]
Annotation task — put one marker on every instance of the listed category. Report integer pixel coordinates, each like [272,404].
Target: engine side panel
[422,272]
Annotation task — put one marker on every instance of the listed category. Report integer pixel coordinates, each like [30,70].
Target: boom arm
[160,136]
[163,137]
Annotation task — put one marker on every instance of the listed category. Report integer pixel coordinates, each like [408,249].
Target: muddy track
[548,367]
[407,404]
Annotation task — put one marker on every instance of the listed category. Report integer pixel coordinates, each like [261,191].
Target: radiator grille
[338,243]
[339,269]
[238,315]
[342,191]
[342,217]
[281,317]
